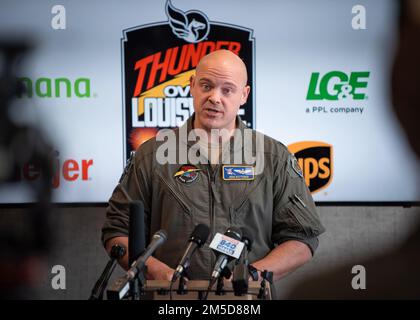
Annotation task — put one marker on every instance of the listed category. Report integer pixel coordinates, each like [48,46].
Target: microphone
[197,239]
[240,274]
[157,240]
[118,290]
[228,247]
[136,235]
[117,252]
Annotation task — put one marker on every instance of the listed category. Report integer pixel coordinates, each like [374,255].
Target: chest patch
[187,174]
[238,173]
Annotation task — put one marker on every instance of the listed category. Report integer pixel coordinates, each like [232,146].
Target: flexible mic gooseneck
[118,290]
[197,239]
[157,240]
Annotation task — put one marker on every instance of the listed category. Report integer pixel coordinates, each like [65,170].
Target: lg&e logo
[337,85]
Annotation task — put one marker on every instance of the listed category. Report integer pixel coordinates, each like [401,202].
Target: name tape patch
[238,173]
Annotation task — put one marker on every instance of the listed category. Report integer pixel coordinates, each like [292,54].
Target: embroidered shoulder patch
[295,165]
[187,173]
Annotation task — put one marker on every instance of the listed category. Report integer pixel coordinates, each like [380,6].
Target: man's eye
[205,87]
[227,91]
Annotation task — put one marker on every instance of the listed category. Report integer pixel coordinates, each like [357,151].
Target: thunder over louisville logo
[158,60]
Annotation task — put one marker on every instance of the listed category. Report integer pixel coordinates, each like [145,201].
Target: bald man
[273,203]
[219,89]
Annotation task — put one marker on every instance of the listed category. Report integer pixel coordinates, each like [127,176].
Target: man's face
[218,89]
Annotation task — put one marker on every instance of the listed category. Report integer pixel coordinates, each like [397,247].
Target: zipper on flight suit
[211,213]
[175,195]
[212,182]
[300,200]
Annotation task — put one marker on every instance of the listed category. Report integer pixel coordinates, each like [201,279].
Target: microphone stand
[134,280]
[226,273]
[240,275]
[98,290]
[137,284]
[133,284]
[182,286]
[266,276]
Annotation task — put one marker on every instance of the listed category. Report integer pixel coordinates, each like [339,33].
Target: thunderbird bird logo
[192,26]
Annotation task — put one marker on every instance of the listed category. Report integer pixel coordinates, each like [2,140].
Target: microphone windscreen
[200,234]
[234,233]
[117,251]
[136,233]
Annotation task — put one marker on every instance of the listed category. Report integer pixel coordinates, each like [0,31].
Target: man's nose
[214,97]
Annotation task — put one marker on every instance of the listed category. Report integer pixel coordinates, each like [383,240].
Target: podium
[194,289]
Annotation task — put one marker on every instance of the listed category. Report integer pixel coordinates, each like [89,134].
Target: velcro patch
[295,165]
[187,174]
[238,173]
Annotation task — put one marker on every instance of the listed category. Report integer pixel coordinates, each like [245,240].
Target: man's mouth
[213,111]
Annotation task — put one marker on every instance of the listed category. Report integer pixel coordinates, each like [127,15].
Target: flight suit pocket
[176,195]
[252,210]
[300,219]
[175,217]
[242,202]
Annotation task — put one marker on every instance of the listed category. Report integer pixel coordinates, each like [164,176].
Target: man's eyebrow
[205,80]
[226,83]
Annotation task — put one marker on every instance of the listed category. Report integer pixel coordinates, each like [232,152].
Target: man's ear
[245,94]
[192,80]
[192,84]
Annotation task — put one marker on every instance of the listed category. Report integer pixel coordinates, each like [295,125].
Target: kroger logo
[337,85]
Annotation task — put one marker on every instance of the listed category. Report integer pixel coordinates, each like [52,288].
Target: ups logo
[315,160]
